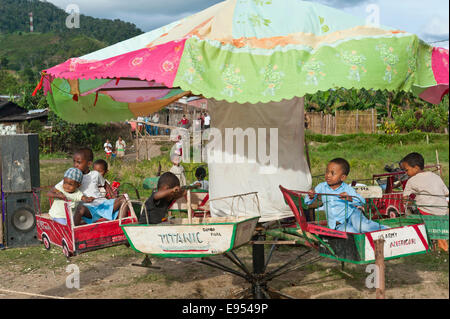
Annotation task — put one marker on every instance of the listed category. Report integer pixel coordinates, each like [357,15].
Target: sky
[428,19]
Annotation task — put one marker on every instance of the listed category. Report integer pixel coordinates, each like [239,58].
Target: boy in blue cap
[69,192]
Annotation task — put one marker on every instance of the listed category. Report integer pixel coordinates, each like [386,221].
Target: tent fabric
[245,51]
[233,171]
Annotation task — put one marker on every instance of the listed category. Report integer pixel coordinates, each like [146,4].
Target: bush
[429,119]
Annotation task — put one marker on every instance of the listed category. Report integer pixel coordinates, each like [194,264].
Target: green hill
[49,18]
[51,42]
[42,50]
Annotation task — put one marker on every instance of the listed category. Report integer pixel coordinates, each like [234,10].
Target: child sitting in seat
[342,211]
[68,191]
[106,190]
[428,187]
[101,207]
[200,174]
[157,205]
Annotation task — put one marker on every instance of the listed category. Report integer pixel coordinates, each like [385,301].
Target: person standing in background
[120,147]
[207,121]
[155,119]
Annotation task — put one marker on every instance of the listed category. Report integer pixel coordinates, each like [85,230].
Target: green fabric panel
[87,85]
[83,110]
[245,75]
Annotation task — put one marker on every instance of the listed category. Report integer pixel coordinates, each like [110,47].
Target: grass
[368,153]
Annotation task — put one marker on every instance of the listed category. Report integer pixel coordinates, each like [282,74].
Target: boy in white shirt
[428,187]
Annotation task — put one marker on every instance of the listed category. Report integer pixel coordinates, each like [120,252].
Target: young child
[428,187]
[100,207]
[342,211]
[68,191]
[178,170]
[108,148]
[200,174]
[108,151]
[157,205]
[106,190]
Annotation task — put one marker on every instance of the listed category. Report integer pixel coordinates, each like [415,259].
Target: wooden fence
[342,122]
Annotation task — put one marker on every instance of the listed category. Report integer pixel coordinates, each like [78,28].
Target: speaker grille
[23,219]
[20,221]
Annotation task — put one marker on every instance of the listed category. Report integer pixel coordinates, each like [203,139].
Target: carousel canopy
[244,51]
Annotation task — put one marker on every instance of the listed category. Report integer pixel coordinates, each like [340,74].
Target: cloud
[436,29]
[147,15]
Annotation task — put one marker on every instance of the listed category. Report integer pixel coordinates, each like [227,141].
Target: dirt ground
[34,272]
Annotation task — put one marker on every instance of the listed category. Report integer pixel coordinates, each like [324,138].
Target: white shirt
[425,184]
[203,184]
[120,144]
[207,120]
[57,209]
[155,118]
[105,146]
[178,147]
[90,186]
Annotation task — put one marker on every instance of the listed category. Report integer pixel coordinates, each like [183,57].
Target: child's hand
[87,199]
[61,196]
[311,193]
[176,189]
[345,196]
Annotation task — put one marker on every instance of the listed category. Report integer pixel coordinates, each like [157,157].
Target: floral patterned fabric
[251,51]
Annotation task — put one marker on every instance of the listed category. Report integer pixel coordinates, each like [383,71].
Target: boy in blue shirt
[342,211]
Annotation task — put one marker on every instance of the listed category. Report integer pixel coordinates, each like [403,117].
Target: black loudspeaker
[20,220]
[19,162]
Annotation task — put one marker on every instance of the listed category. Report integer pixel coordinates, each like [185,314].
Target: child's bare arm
[162,193]
[109,190]
[54,193]
[87,199]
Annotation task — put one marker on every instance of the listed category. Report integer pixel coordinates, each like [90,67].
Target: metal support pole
[258,267]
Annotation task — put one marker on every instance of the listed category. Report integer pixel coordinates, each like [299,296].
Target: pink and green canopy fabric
[244,51]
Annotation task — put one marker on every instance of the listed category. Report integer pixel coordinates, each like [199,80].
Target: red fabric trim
[419,233]
[369,237]
[96,98]
[423,213]
[205,199]
[38,87]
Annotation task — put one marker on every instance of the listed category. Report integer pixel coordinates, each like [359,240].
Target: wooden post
[335,121]
[437,162]
[373,123]
[428,140]
[137,141]
[357,122]
[189,206]
[321,122]
[379,262]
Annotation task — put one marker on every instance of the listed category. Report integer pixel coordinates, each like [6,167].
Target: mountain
[14,17]
[51,42]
